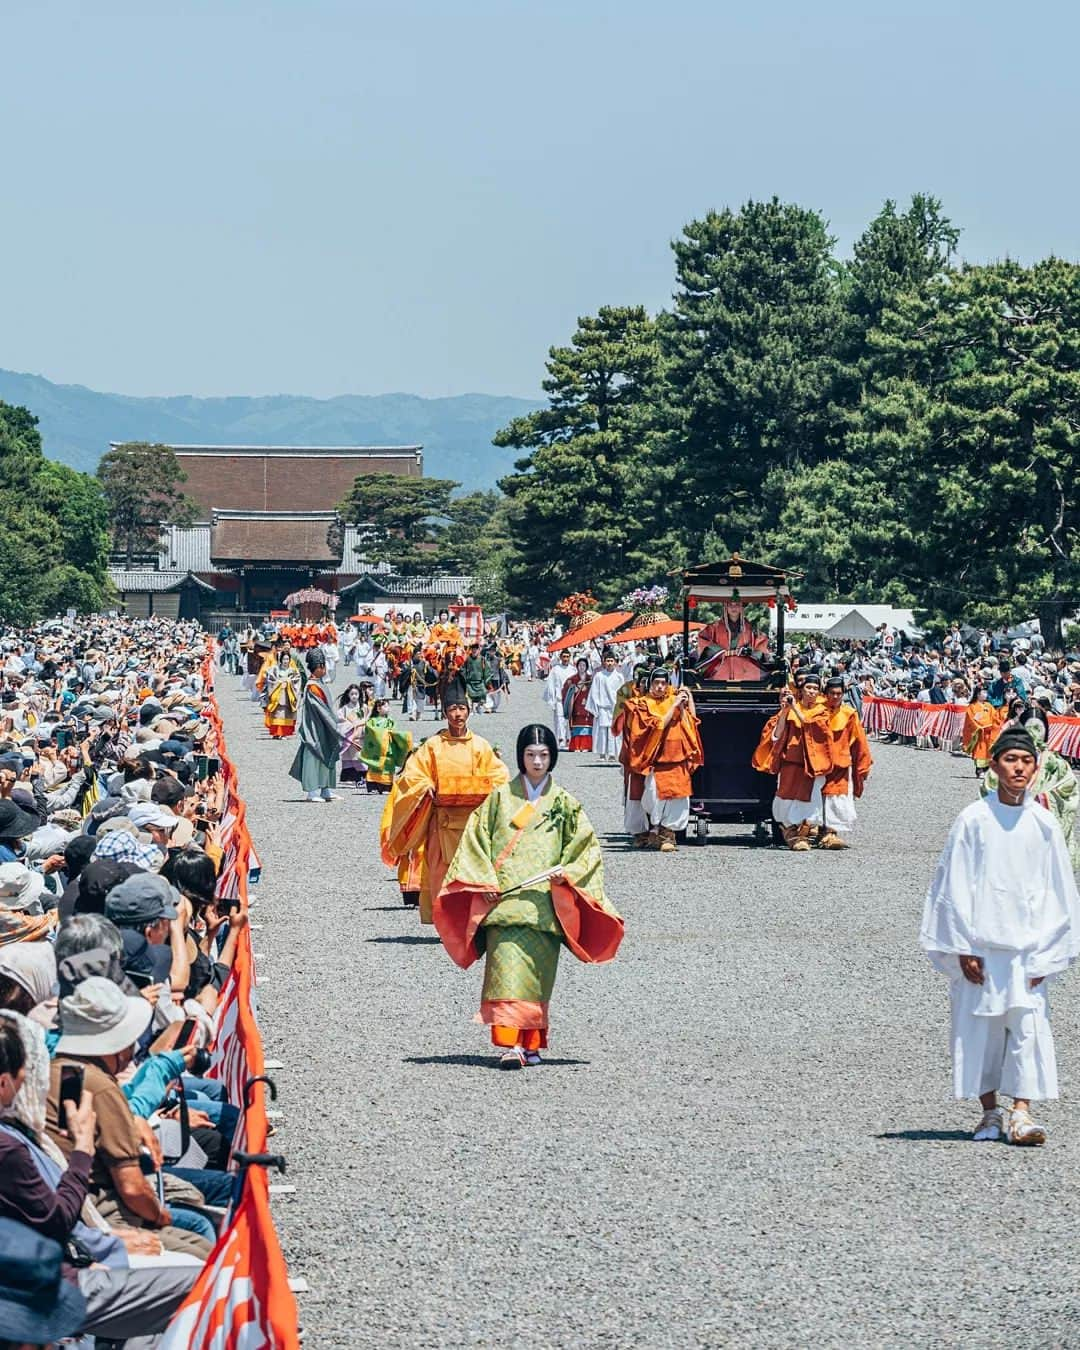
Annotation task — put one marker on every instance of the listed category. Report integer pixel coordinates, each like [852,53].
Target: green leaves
[53,540]
[141,483]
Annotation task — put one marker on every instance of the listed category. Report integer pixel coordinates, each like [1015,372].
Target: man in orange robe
[797,745]
[439,787]
[635,821]
[851,762]
[665,749]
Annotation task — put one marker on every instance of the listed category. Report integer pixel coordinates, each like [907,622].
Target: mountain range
[77,424]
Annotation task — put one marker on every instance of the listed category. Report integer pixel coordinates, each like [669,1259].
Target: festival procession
[539,677]
[123,913]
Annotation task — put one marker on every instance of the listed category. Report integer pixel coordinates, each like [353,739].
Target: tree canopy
[895,425]
[142,487]
[53,532]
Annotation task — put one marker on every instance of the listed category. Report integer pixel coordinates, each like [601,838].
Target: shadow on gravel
[409,939]
[928,1136]
[483,1061]
[385,909]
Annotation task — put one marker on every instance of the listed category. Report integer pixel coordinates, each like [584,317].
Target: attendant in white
[601,703]
[380,669]
[1001,917]
[364,656]
[332,654]
[553,695]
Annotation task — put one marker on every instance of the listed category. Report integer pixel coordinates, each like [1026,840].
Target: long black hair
[536,733]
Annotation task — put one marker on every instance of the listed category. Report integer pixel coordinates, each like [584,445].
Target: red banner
[242,1299]
[945,721]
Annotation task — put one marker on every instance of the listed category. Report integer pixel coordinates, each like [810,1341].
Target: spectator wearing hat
[100,1027]
[38,1190]
[144,908]
[37,1305]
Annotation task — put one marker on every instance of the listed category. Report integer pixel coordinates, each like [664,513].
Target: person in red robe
[729,647]
[575,697]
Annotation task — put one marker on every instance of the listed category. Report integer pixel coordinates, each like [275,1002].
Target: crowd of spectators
[113,950]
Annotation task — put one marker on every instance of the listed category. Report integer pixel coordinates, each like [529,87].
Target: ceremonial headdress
[454,691]
[1014,738]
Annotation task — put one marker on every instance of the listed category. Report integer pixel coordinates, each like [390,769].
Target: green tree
[973,425]
[141,483]
[51,552]
[749,364]
[77,503]
[577,494]
[405,519]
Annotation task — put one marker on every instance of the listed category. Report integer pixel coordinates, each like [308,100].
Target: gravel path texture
[744,1132]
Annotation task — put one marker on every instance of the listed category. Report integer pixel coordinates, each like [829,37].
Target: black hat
[1014,738]
[809,676]
[834,682]
[536,733]
[454,691]
[37,1305]
[15,823]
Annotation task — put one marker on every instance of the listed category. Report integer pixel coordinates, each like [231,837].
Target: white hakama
[672,813]
[1004,891]
[603,692]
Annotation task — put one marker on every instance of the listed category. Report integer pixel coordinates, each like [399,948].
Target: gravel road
[744,1134]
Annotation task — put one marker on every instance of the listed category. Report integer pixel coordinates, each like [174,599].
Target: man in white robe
[603,692]
[553,695]
[1001,916]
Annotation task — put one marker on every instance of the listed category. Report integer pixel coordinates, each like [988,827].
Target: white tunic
[1004,891]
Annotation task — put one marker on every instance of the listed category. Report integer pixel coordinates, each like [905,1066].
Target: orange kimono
[670,753]
[850,752]
[436,792]
[410,866]
[981,722]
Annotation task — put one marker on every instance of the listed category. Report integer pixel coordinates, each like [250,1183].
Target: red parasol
[372,620]
[595,628]
[656,628]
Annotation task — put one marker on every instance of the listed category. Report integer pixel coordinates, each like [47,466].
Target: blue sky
[422,195]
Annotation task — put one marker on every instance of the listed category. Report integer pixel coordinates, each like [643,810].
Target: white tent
[817,617]
[852,626]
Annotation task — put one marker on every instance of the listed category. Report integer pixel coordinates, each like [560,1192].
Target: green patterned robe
[521,935]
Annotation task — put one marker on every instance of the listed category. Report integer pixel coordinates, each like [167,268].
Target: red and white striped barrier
[945,722]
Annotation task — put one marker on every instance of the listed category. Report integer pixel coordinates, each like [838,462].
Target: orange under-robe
[670,753]
[439,787]
[410,866]
[801,754]
[850,750]
[981,722]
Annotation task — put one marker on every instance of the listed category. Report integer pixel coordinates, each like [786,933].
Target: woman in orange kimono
[981,722]
[450,774]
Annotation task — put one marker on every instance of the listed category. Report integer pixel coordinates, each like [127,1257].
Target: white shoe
[1023,1130]
[313,797]
[514,1058]
[533,1057]
[991,1128]
[333,797]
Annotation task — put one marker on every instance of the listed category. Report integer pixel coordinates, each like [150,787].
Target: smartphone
[71,1088]
[202,767]
[187,1033]
[63,738]
[213,766]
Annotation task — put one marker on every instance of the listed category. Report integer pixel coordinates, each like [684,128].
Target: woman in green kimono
[384,749]
[527,879]
[1054,784]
